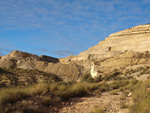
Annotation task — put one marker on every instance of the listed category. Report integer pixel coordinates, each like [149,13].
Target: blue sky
[60,28]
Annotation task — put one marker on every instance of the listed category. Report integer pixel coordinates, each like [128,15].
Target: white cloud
[48,14]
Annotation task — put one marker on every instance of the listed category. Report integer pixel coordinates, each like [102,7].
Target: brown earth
[111,104]
[18,59]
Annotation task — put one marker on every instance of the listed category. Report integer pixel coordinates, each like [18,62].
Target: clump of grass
[104,87]
[75,90]
[63,90]
[114,93]
[123,97]
[128,84]
[141,98]
[32,110]
[87,78]
[115,85]
[123,105]
[46,100]
[98,110]
[97,92]
[112,76]
[11,95]
[97,79]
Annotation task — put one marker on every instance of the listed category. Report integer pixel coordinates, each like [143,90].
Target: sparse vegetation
[46,100]
[114,93]
[104,87]
[97,79]
[112,76]
[124,76]
[63,90]
[51,90]
[123,105]
[141,98]
[87,78]
[21,77]
[98,110]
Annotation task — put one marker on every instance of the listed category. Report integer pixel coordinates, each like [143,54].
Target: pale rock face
[132,39]
[19,55]
[93,71]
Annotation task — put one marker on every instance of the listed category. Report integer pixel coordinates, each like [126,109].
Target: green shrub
[78,90]
[97,79]
[97,92]
[123,105]
[113,93]
[46,100]
[104,87]
[141,98]
[98,110]
[111,76]
[63,91]
[11,95]
[123,97]
[87,78]
[115,85]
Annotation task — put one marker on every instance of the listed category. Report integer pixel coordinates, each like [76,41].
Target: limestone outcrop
[133,39]
[125,59]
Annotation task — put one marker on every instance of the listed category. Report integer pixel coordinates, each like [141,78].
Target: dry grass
[98,110]
[123,105]
[141,98]
[20,77]
[63,90]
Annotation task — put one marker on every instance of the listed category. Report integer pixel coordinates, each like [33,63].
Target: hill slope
[133,39]
[23,60]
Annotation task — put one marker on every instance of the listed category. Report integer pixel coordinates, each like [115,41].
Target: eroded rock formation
[118,50]
[18,59]
[133,39]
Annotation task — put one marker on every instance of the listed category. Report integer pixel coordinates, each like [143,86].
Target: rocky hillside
[119,50]
[22,77]
[42,84]
[19,55]
[23,60]
[132,39]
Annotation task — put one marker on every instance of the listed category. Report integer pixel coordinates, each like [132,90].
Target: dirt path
[87,104]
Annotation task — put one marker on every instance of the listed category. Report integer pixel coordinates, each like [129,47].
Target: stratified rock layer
[132,39]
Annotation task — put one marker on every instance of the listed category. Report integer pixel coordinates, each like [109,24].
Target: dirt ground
[107,101]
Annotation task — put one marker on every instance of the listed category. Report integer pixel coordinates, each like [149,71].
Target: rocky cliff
[128,43]
[133,39]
